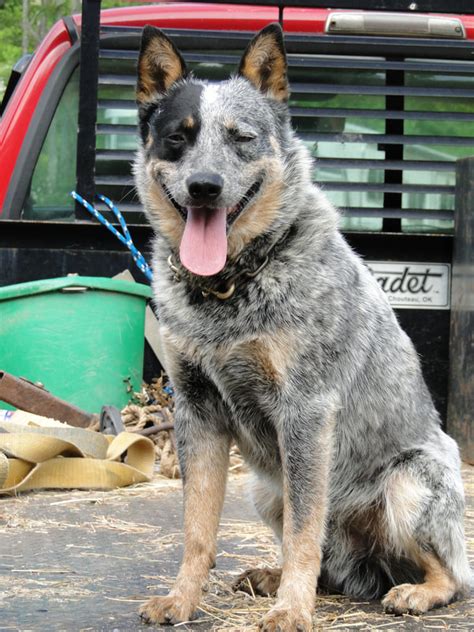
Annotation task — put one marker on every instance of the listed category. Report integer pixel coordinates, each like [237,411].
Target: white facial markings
[209,96]
[210,144]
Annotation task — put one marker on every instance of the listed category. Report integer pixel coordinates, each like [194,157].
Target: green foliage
[10,38]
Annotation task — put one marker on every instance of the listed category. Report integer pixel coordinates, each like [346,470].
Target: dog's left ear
[264,63]
[159,65]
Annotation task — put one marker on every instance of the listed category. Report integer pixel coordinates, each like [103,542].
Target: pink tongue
[203,248]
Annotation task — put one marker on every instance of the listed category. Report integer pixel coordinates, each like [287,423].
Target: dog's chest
[250,376]
[263,361]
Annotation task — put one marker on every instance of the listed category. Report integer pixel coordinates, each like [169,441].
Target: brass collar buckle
[206,291]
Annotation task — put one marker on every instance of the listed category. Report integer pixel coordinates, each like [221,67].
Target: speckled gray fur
[353,366]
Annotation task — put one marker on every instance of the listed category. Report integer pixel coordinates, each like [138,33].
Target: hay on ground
[153,407]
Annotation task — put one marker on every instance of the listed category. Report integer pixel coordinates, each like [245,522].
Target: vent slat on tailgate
[117,104]
[102,155]
[337,88]
[116,129]
[392,188]
[381,114]
[117,80]
[404,213]
[389,139]
[411,165]
[122,181]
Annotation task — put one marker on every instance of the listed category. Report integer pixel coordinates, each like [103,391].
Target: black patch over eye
[172,138]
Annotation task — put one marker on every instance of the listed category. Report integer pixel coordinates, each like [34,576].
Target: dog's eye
[175,139]
[244,138]
[241,137]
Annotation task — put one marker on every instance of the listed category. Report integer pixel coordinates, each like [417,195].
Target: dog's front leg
[305,446]
[204,458]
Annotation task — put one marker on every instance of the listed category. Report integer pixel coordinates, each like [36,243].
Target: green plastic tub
[82,337]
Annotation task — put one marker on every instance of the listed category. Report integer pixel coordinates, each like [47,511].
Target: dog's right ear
[159,65]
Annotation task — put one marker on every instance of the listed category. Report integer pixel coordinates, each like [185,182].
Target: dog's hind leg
[268,501]
[424,505]
[438,589]
[259,581]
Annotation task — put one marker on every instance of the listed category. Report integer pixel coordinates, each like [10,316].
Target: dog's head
[211,168]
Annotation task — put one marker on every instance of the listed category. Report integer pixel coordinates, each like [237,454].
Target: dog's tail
[370,576]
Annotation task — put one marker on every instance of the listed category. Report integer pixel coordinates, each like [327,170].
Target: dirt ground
[85,561]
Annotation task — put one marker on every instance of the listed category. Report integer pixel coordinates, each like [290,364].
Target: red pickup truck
[383,98]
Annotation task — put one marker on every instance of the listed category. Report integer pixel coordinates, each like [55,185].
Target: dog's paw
[261,581]
[170,609]
[283,620]
[408,599]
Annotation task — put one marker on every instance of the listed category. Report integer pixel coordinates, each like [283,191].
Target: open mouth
[203,246]
[181,209]
[244,202]
[232,213]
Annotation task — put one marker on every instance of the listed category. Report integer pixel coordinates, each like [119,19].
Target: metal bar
[106,155]
[117,104]
[413,115]
[380,64]
[109,128]
[88,82]
[125,207]
[33,398]
[388,187]
[393,177]
[402,213]
[413,139]
[151,430]
[461,342]
[338,88]
[114,180]
[363,163]
[116,80]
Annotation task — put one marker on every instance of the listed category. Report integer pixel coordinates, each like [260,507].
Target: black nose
[204,187]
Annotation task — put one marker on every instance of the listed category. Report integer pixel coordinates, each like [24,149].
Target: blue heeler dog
[277,337]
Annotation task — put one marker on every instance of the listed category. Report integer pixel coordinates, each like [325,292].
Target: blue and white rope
[125,238]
